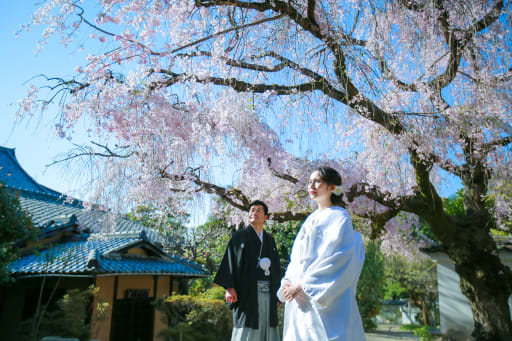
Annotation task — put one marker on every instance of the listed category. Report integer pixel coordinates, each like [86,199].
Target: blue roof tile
[14,176]
[51,210]
[73,258]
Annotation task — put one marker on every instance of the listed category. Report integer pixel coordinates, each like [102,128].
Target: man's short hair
[259,203]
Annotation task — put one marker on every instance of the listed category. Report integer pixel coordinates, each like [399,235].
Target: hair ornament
[337,191]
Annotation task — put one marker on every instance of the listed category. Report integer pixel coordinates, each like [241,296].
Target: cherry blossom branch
[311,12]
[233,196]
[283,7]
[503,78]
[426,199]
[456,46]
[327,88]
[374,193]
[506,77]
[283,176]
[196,42]
[236,28]
[387,73]
[238,63]
[81,151]
[242,86]
[283,217]
[447,165]
[378,220]
[412,5]
[505,141]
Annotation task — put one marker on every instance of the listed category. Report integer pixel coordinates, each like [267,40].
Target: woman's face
[318,189]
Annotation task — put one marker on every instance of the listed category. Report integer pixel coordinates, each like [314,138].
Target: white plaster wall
[456,316]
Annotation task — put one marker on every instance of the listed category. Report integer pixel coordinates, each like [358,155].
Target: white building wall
[456,316]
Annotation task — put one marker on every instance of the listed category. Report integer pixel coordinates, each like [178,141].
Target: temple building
[79,246]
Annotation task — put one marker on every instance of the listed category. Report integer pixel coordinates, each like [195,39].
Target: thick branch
[374,193]
[242,86]
[426,194]
[284,7]
[413,6]
[311,12]
[379,220]
[283,176]
[236,28]
[288,216]
[505,141]
[234,196]
[457,46]
[239,63]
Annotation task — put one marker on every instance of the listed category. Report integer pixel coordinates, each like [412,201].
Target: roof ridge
[60,199]
[11,153]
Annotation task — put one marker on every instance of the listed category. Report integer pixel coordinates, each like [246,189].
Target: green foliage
[393,289]
[203,244]
[412,278]
[195,319]
[370,287]
[284,234]
[214,293]
[454,205]
[204,288]
[70,319]
[199,286]
[14,225]
[505,230]
[420,331]
[211,240]
[170,226]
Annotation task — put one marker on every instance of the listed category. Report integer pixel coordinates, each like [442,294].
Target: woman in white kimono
[319,286]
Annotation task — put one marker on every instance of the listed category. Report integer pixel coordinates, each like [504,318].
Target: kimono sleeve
[339,263]
[292,274]
[228,268]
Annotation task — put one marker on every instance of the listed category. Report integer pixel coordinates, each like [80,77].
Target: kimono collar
[260,236]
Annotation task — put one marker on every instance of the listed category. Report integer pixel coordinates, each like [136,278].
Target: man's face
[257,215]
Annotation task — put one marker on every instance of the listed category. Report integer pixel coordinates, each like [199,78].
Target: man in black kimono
[250,272]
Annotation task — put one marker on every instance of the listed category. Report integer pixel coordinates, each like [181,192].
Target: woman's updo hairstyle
[331,177]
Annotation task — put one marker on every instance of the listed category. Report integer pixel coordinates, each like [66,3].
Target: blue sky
[35,144]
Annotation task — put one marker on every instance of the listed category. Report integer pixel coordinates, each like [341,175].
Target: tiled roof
[96,255]
[51,210]
[14,176]
[93,254]
[50,213]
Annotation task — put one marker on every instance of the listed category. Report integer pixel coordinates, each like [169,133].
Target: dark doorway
[132,319]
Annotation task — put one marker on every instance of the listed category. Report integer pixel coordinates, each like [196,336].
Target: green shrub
[214,293]
[420,331]
[370,288]
[69,320]
[191,318]
[15,224]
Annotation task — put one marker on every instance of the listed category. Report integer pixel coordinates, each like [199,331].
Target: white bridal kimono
[327,257]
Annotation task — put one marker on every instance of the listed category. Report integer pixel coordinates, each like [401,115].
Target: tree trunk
[488,293]
[421,303]
[424,313]
[485,281]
